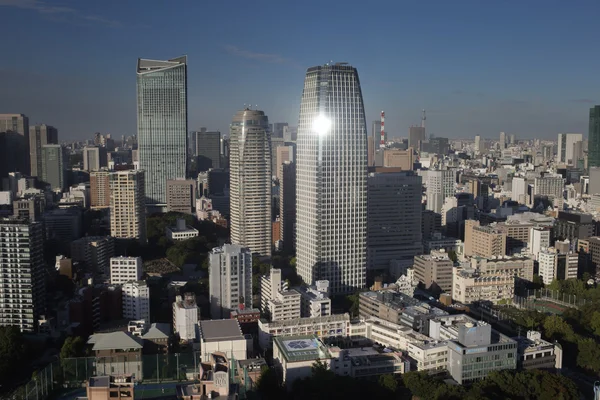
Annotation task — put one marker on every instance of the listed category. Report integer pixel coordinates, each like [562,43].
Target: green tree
[72,347]
[388,382]
[557,328]
[452,255]
[588,354]
[595,323]
[269,384]
[12,353]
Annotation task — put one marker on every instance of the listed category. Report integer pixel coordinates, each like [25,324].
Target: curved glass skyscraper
[250,181]
[162,124]
[331,180]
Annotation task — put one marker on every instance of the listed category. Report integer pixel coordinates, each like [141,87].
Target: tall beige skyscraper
[40,135]
[128,205]
[99,189]
[250,181]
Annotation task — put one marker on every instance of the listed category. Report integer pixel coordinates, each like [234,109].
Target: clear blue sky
[531,68]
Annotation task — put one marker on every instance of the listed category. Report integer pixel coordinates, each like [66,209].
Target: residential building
[230,279]
[440,184]
[208,150]
[283,154]
[54,166]
[128,205]
[434,268]
[393,210]
[214,380]
[94,158]
[99,189]
[557,265]
[593,138]
[15,141]
[331,223]
[22,273]
[539,239]
[186,315]
[484,241]
[284,306]
[125,269]
[40,135]
[394,158]
[315,301]
[222,335]
[117,353]
[566,143]
[94,252]
[287,206]
[162,124]
[250,179]
[270,285]
[109,387]
[181,195]
[136,300]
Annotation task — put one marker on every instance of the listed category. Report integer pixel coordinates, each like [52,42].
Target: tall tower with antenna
[382,142]
[423,118]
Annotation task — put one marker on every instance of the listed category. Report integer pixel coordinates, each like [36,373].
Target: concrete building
[136,301]
[40,135]
[208,150]
[94,252]
[484,241]
[54,166]
[250,180]
[186,315]
[31,207]
[110,387]
[270,285]
[64,225]
[94,158]
[539,239]
[519,190]
[416,135]
[315,301]
[117,353]
[162,96]
[222,335]
[14,144]
[181,195]
[287,206]
[128,205]
[573,226]
[22,273]
[440,184]
[520,266]
[566,143]
[284,154]
[536,353]
[594,138]
[549,186]
[470,285]
[181,231]
[517,234]
[404,159]
[99,189]
[434,268]
[125,269]
[230,279]
[214,382]
[393,210]
[295,356]
[557,265]
[331,224]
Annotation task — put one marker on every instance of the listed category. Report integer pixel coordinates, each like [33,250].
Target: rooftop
[220,329]
[114,341]
[309,321]
[301,348]
[158,331]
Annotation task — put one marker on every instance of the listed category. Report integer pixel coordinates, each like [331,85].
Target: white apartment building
[136,301]
[125,269]
[519,190]
[440,184]
[554,265]
[128,205]
[315,301]
[270,285]
[181,231]
[186,315]
[230,279]
[539,239]
[276,300]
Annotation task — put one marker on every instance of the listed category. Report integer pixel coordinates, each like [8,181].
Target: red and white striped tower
[382,143]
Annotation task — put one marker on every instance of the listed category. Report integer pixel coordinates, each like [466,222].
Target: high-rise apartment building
[477,144]
[440,184]
[14,143]
[250,180]
[136,301]
[99,189]
[94,158]
[230,279]
[94,252]
[40,135]
[287,206]
[181,195]
[393,213]
[125,269]
[593,138]
[502,140]
[208,150]
[162,124]
[128,205]
[331,225]
[566,143]
[22,273]
[54,166]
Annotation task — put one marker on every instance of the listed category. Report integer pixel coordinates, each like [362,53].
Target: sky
[529,68]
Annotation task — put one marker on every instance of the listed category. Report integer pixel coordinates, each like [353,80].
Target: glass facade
[594,138]
[331,179]
[162,124]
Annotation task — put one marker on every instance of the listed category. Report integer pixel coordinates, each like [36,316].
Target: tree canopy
[12,353]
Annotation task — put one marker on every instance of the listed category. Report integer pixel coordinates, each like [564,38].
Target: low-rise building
[186,315]
[434,268]
[222,335]
[181,231]
[470,285]
[109,387]
[315,301]
[276,301]
[117,353]
[214,380]
[335,325]
[536,353]
[295,356]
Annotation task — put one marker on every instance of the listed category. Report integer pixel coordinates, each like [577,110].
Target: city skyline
[468,85]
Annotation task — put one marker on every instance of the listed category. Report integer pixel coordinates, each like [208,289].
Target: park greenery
[12,353]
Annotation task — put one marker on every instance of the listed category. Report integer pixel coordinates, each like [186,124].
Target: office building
[484,241]
[31,207]
[572,225]
[416,135]
[208,150]
[593,138]
[502,140]
[230,279]
[181,195]
[287,206]
[276,300]
[519,190]
[549,186]
[537,353]
[315,301]
[99,189]
[517,234]
[128,205]
[40,135]
[14,140]
[94,158]
[284,154]
[250,180]
[136,301]
[323,327]
[478,144]
[22,273]
[393,212]
[557,265]
[162,124]
[519,265]
[331,223]
[54,166]
[94,252]
[431,222]
[278,129]
[180,231]
[434,268]
[440,184]
[404,159]
[125,269]
[63,224]
[566,143]
[186,315]
[539,239]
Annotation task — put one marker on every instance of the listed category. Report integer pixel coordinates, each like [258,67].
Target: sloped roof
[114,341]
[157,331]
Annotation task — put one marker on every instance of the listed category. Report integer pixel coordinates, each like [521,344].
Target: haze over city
[477,67]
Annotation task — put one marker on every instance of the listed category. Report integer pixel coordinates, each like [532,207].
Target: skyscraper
[54,166]
[230,279]
[128,205]
[208,150]
[40,135]
[331,226]
[250,180]
[99,189]
[94,158]
[566,143]
[440,184]
[15,143]
[502,140]
[416,135]
[594,138]
[162,124]
[287,205]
